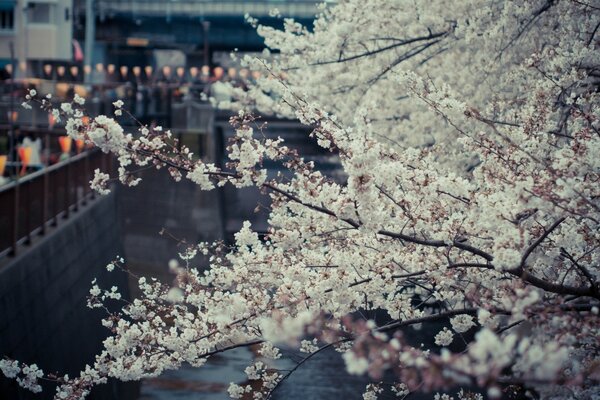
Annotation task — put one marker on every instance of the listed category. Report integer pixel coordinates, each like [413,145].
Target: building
[39,31]
[180,33]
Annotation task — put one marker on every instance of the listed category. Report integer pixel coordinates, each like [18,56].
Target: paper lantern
[124,69]
[194,72]
[166,71]
[180,72]
[48,69]
[99,67]
[137,71]
[12,116]
[148,70]
[65,144]
[218,71]
[25,156]
[79,143]
[51,121]
[2,165]
[60,70]
[110,68]
[231,72]
[87,69]
[74,70]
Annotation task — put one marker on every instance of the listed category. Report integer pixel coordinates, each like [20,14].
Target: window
[7,20]
[40,13]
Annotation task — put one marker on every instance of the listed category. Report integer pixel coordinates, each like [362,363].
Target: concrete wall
[43,313]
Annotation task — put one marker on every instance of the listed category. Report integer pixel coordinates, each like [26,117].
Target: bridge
[132,32]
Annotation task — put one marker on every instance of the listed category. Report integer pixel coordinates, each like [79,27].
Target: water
[321,378]
[209,382]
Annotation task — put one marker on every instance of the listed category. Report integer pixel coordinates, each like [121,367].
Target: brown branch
[584,271]
[539,240]
[536,14]
[382,49]
[299,364]
[437,243]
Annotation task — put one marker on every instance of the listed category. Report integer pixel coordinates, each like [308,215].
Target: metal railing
[35,202]
[148,101]
[294,8]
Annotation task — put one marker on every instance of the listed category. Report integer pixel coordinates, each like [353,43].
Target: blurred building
[180,33]
[49,36]
[40,31]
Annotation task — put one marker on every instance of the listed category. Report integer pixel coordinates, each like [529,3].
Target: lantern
[231,72]
[48,69]
[137,71]
[79,143]
[110,68]
[2,165]
[180,72]
[65,144]
[194,72]
[218,71]
[74,70]
[87,69]
[51,121]
[166,71]
[25,156]
[60,70]
[124,70]
[99,67]
[12,116]
[148,71]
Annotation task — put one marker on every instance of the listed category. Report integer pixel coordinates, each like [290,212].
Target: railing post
[44,201]
[47,150]
[85,174]
[15,222]
[76,185]
[67,191]
[27,189]
[55,202]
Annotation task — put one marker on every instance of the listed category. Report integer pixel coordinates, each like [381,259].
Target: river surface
[321,378]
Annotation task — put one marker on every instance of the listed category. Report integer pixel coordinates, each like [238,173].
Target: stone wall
[43,313]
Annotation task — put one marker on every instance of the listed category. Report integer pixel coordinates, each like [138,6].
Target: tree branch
[539,240]
[382,49]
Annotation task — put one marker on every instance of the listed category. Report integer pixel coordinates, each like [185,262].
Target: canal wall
[43,314]
[180,210]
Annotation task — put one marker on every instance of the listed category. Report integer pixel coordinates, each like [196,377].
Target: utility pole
[90,33]
[11,145]
[205,28]
[25,60]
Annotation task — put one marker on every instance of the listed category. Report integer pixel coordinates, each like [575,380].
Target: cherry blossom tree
[468,136]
